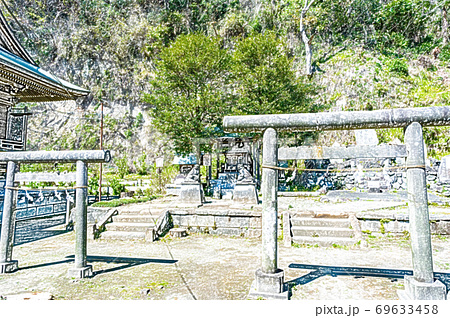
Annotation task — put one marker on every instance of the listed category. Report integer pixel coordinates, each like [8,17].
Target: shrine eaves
[22,80]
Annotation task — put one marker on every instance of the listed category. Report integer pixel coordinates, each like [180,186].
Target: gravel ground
[207,267]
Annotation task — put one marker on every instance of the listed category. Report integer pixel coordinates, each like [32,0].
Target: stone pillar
[269,282]
[422,284]
[81,269]
[7,265]
[68,208]
[287,238]
[269,202]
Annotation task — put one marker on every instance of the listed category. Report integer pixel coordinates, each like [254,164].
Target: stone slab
[231,221]
[191,193]
[150,235]
[245,193]
[444,170]
[178,232]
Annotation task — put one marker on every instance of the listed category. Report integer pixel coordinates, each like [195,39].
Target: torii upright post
[7,265]
[422,284]
[81,269]
[269,281]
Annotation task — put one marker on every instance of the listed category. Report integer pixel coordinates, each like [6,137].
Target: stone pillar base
[84,272]
[150,235]
[192,193]
[245,193]
[9,267]
[269,286]
[415,290]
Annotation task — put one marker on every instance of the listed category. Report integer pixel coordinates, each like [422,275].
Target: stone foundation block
[150,235]
[245,193]
[178,232]
[192,193]
[84,272]
[9,267]
[415,290]
[269,286]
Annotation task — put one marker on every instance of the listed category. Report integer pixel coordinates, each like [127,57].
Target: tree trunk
[308,53]
[198,154]
[305,39]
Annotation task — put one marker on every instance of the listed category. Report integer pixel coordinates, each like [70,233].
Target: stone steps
[323,241]
[129,226]
[122,235]
[314,231]
[133,222]
[321,222]
[322,231]
[126,218]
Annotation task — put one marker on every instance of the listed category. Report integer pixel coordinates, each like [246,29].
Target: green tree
[190,92]
[266,82]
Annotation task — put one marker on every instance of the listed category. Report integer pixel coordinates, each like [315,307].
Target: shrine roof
[8,57]
[189,160]
[39,85]
[21,80]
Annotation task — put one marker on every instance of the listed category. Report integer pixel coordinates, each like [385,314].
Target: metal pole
[8,219]
[101,148]
[68,207]
[270,205]
[422,258]
[81,215]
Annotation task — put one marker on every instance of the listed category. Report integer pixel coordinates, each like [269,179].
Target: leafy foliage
[367,54]
[265,77]
[189,89]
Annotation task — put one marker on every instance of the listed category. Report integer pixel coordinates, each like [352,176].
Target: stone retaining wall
[400,224]
[390,176]
[226,222]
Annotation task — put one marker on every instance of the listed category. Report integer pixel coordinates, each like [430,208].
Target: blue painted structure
[39,203]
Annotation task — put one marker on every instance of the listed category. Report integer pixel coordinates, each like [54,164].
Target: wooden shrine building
[21,81]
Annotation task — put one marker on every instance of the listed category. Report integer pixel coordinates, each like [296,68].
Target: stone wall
[399,224]
[372,175]
[226,222]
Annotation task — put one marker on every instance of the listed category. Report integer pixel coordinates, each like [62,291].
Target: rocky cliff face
[108,47]
[101,46]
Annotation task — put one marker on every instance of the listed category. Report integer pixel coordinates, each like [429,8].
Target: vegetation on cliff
[364,55]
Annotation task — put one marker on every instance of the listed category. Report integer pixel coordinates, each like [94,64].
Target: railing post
[421,285]
[81,269]
[7,265]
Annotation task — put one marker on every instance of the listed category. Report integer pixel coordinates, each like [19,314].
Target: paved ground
[211,267]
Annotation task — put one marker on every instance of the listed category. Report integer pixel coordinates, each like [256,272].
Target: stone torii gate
[81,269]
[269,278]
